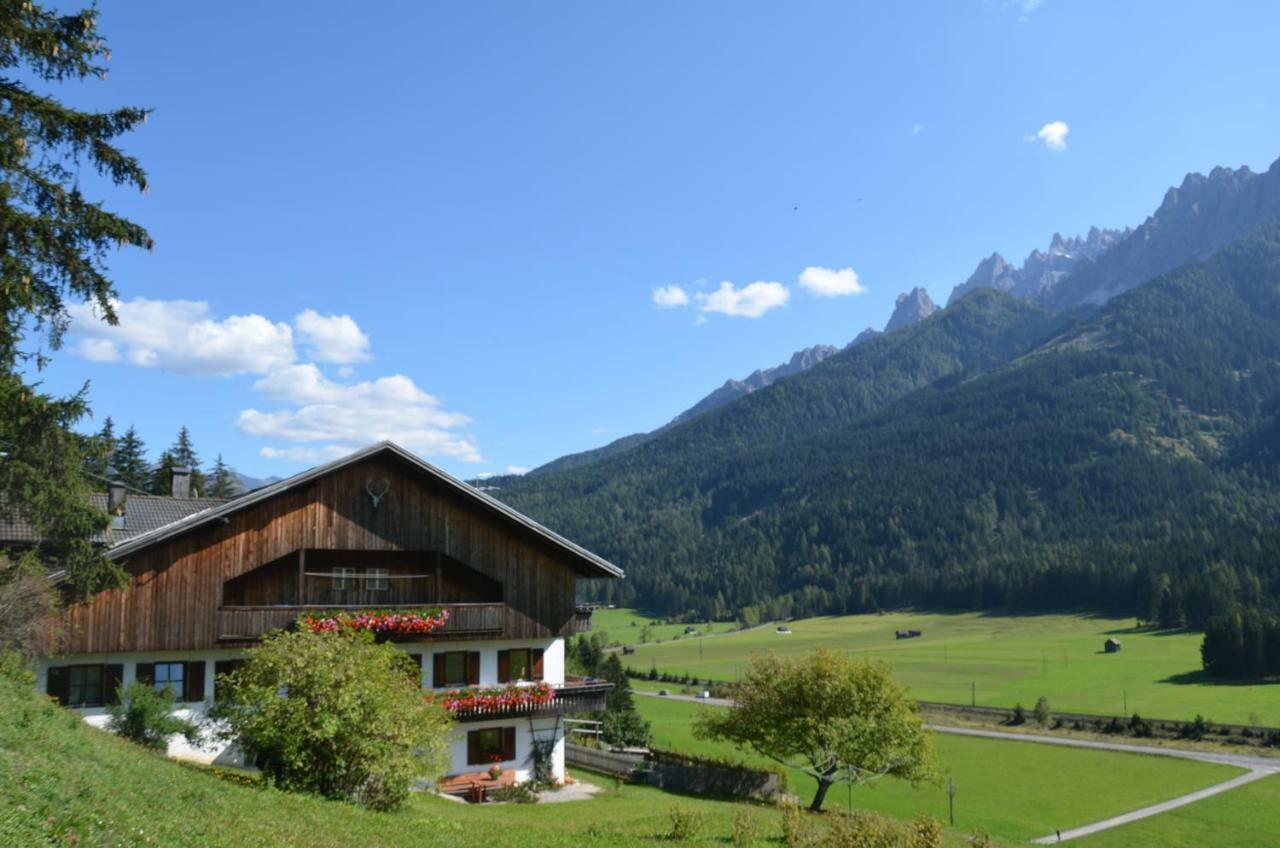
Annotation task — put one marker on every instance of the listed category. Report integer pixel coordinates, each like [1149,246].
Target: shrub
[980,838]
[745,828]
[795,828]
[145,715]
[872,830]
[685,823]
[1140,727]
[517,793]
[1019,715]
[335,714]
[1195,729]
[1043,714]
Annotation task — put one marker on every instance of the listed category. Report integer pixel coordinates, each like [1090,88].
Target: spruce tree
[54,242]
[222,480]
[98,450]
[130,460]
[181,454]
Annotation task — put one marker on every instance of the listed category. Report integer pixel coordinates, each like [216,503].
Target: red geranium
[376,621]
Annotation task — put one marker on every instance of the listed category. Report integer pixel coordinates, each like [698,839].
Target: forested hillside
[989,456]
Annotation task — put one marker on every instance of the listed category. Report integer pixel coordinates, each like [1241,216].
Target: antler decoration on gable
[376,496]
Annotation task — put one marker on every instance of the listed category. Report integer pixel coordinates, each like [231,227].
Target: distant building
[907,634]
[1112,645]
[782,628]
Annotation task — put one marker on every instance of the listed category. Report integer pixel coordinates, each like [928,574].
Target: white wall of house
[527,730]
[221,754]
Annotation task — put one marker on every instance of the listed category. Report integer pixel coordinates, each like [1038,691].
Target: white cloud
[332,338]
[301,454]
[181,336]
[670,296]
[346,416]
[1054,135]
[750,301]
[828,282]
[518,469]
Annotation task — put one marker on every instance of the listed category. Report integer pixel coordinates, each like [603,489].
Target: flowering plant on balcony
[500,698]
[395,622]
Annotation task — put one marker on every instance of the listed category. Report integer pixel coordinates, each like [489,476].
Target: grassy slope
[1010,658]
[1244,817]
[1015,790]
[623,626]
[64,783]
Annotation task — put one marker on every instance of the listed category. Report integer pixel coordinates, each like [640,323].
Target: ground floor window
[170,675]
[491,745]
[85,685]
[185,679]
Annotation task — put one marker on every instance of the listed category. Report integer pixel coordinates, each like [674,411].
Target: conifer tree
[181,454]
[99,449]
[54,243]
[130,460]
[222,480]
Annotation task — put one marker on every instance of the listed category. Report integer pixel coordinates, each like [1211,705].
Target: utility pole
[973,694]
[951,800]
[1126,702]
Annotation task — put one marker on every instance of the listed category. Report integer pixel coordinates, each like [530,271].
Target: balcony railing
[245,624]
[574,696]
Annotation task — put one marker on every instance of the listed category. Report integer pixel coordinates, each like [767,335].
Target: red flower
[376,621]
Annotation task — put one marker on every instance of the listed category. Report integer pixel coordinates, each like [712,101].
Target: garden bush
[145,715]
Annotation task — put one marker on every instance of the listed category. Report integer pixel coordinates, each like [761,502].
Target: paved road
[1256,767]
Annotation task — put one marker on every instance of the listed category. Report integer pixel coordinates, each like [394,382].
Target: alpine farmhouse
[377,530]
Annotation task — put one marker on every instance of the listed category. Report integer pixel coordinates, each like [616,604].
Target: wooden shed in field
[1112,645]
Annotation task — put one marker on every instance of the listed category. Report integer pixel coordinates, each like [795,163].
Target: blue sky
[446,223]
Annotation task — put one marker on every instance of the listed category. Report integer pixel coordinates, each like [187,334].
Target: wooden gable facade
[227,577]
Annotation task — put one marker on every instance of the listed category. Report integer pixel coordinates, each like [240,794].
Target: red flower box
[498,699]
[389,622]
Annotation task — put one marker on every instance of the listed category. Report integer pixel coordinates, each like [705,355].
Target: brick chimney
[181,482]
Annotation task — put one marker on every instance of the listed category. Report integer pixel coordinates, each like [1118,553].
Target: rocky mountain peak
[911,308]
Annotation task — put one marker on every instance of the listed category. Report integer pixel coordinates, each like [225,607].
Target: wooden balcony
[250,623]
[574,696]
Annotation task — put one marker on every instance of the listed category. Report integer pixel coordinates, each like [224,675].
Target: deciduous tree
[837,719]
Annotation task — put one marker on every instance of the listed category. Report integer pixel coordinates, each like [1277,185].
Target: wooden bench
[474,785]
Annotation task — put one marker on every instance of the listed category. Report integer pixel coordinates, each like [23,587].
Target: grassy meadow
[1014,790]
[998,660]
[1242,818]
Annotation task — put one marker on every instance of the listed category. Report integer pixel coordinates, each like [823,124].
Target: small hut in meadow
[1112,645]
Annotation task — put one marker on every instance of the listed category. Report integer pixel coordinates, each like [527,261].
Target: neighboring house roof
[591,562]
[143,513]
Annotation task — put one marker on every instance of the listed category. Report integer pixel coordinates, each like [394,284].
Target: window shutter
[504,666]
[437,670]
[473,668]
[416,673]
[194,681]
[112,677]
[508,743]
[473,749]
[145,673]
[57,684]
[536,662]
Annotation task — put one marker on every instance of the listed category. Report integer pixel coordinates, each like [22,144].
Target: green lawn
[1242,818]
[623,627]
[1002,660]
[1015,790]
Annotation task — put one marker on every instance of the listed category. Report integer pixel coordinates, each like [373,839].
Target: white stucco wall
[526,730]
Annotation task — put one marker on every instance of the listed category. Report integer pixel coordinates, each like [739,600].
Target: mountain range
[1093,428]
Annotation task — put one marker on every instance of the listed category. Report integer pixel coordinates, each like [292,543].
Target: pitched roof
[143,513]
[590,562]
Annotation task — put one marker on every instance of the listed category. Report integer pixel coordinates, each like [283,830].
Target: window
[520,664]
[455,668]
[171,675]
[84,684]
[344,578]
[377,579]
[220,668]
[491,745]
[186,679]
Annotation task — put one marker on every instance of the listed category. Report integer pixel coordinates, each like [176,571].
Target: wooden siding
[173,598]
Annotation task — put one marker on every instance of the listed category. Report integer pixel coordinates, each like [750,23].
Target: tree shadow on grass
[1147,631]
[1200,677]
